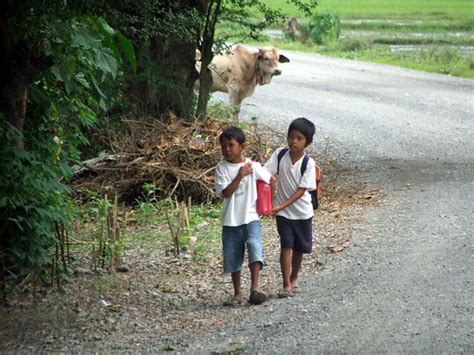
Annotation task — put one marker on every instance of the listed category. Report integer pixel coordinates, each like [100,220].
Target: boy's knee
[256,264]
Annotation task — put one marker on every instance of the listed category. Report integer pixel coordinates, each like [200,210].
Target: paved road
[405,283]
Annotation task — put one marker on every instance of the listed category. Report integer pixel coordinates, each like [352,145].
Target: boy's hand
[276,209]
[243,171]
[298,193]
[246,170]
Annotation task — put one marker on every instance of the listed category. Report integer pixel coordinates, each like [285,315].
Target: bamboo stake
[61,245]
[53,269]
[116,233]
[67,246]
[171,230]
[185,214]
[3,284]
[94,258]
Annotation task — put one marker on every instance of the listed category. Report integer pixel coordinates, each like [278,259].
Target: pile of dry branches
[177,157]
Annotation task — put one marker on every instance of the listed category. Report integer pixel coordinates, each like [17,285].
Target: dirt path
[405,282]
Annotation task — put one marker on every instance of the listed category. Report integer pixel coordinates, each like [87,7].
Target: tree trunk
[20,65]
[12,88]
[205,76]
[175,61]
[166,70]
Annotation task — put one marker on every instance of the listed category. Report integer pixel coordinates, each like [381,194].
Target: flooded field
[412,41]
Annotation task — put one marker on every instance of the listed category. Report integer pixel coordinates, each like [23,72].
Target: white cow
[239,71]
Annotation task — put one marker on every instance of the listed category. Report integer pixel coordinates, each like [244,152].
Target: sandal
[233,301]
[285,293]
[296,289]
[257,297]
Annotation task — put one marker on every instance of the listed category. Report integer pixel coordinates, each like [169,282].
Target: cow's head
[268,60]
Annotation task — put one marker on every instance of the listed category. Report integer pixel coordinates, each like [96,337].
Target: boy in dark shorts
[293,207]
[235,181]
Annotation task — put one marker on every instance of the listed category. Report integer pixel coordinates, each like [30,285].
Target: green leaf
[81,79]
[128,50]
[106,62]
[84,40]
[53,112]
[3,202]
[96,86]
[105,28]
[70,65]
[57,73]
[102,104]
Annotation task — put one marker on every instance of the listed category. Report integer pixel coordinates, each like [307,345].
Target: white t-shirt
[241,207]
[289,179]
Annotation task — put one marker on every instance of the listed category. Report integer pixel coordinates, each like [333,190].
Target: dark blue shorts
[296,234]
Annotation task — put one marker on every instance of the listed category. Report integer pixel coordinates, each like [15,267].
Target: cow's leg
[235,101]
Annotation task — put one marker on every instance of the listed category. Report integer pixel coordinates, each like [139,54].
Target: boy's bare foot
[285,293]
[295,289]
[257,297]
[235,300]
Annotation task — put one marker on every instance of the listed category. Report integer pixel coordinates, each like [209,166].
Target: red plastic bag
[264,198]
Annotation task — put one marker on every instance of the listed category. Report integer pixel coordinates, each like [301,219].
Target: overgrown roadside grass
[147,226]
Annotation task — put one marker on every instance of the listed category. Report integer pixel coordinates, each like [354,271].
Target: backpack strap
[281,153]
[304,163]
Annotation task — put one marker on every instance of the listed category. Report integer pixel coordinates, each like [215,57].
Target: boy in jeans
[235,181]
[292,207]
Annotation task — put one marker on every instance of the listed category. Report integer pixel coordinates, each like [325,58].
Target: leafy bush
[324,28]
[65,99]
[31,200]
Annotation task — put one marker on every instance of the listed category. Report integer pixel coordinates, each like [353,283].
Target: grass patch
[432,59]
[148,228]
[201,239]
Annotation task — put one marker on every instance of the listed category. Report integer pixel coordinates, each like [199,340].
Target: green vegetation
[385,9]
[433,36]
[199,236]
[420,10]
[324,27]
[200,239]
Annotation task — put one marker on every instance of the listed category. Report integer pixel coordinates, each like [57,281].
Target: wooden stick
[172,232]
[61,245]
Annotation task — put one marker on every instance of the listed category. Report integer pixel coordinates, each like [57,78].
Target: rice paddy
[430,35]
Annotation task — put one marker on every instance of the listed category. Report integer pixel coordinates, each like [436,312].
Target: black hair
[232,133]
[305,126]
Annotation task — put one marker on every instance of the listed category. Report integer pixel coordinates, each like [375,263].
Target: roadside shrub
[470,63]
[444,55]
[324,28]
[31,200]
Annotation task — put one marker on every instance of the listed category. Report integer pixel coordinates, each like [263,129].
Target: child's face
[296,141]
[232,150]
